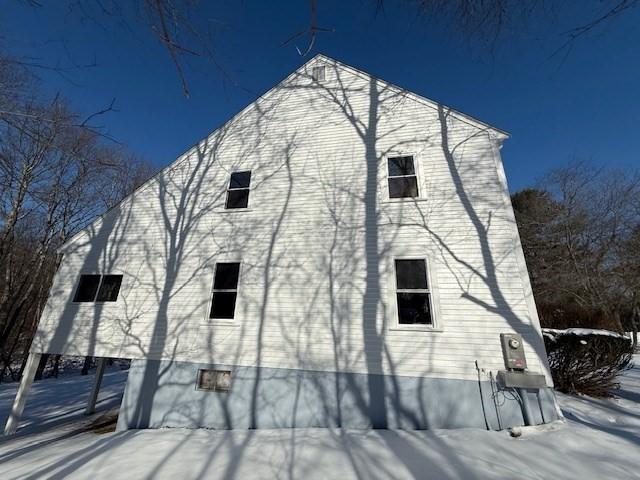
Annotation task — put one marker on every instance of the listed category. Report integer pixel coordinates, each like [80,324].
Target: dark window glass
[411,275]
[400,166]
[237,198]
[109,288]
[223,305]
[413,308]
[87,288]
[413,293]
[400,187]
[225,290]
[402,177]
[226,277]
[240,180]
[238,191]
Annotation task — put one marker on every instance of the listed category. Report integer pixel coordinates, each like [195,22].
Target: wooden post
[28,375]
[93,396]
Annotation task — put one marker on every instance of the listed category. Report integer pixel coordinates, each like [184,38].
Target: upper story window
[238,191]
[225,290]
[98,288]
[318,73]
[412,292]
[402,178]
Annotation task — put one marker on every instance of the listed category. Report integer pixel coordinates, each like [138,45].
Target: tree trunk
[635,321]
[25,356]
[56,365]
[8,357]
[86,366]
[617,321]
[41,366]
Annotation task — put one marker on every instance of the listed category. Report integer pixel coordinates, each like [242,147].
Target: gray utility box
[514,379]
[513,351]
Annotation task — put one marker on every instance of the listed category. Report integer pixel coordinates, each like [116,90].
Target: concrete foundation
[164,394]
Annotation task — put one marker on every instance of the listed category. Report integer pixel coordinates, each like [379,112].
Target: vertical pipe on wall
[494,394]
[540,406]
[484,412]
[28,375]
[527,414]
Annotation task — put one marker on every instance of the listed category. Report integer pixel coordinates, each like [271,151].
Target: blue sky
[585,106]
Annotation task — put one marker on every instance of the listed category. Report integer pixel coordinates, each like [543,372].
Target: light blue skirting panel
[164,394]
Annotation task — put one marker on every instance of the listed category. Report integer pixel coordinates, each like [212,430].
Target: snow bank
[553,332]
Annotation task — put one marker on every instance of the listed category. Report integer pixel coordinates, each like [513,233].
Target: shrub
[587,361]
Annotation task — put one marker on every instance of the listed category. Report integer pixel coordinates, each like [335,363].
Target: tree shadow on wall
[338,274]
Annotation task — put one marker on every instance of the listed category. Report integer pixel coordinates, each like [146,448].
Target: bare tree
[56,174]
[178,25]
[488,20]
[578,234]
[629,271]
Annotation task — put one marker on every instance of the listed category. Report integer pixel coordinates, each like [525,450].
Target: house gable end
[304,72]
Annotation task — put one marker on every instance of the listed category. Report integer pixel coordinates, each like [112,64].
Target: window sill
[404,200]
[213,322]
[416,328]
[232,210]
[102,302]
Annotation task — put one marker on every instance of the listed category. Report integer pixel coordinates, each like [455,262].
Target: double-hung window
[225,291]
[238,191]
[402,178]
[413,295]
[98,288]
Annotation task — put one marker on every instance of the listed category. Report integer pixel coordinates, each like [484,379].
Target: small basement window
[238,191]
[225,290]
[413,293]
[402,178]
[214,380]
[98,288]
[318,73]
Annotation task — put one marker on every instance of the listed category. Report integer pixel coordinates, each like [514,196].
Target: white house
[342,252]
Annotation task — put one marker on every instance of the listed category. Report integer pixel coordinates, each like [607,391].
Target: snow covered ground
[599,440]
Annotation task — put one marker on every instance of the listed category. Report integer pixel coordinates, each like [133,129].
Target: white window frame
[417,174]
[434,306]
[228,321]
[249,188]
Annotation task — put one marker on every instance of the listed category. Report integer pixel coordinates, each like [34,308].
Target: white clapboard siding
[316,244]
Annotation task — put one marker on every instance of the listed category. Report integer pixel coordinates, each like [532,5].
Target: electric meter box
[513,351]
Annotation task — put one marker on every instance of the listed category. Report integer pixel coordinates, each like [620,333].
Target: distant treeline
[580,231]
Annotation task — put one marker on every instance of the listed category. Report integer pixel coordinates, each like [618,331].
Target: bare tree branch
[311,31]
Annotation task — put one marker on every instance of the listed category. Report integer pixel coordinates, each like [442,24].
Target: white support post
[93,396]
[28,375]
